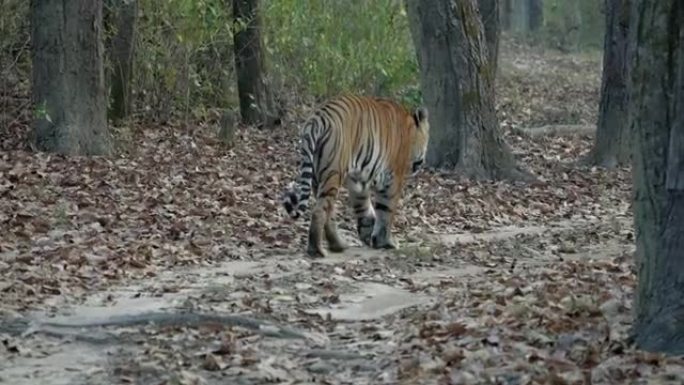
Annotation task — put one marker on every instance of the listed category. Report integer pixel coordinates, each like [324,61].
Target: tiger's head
[420,138]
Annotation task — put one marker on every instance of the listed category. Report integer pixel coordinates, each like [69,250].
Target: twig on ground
[556,130]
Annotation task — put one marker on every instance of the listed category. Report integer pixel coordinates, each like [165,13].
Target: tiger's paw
[382,241]
[364,228]
[316,252]
[338,246]
[365,235]
[388,245]
[335,243]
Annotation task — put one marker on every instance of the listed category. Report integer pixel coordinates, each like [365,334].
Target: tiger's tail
[295,199]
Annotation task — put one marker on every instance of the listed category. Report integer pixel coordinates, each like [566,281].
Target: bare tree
[68,77]
[256,103]
[120,16]
[612,143]
[656,84]
[457,89]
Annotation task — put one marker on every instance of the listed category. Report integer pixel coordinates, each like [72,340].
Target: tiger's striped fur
[369,145]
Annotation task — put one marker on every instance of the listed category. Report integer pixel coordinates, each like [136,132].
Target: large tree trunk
[256,104]
[68,77]
[612,143]
[121,16]
[490,13]
[457,89]
[656,105]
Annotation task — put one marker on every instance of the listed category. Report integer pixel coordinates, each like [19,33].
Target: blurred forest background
[183,66]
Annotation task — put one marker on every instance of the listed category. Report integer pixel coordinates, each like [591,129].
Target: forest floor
[494,283]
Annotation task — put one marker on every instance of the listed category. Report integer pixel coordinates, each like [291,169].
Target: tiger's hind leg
[360,202]
[335,243]
[385,204]
[322,223]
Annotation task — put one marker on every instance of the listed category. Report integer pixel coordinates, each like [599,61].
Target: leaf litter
[548,303]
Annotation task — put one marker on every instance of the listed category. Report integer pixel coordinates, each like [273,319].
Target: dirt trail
[350,340]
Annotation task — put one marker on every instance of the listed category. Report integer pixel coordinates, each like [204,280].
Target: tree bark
[656,84]
[457,89]
[612,143]
[68,77]
[256,104]
[490,13]
[121,16]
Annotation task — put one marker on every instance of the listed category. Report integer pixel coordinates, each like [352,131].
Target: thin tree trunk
[574,21]
[457,88]
[520,16]
[490,13]
[121,15]
[612,143]
[656,105]
[506,11]
[525,16]
[536,14]
[68,77]
[256,104]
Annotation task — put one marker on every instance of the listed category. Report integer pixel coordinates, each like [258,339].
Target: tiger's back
[367,144]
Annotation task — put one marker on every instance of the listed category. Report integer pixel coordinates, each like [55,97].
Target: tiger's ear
[420,115]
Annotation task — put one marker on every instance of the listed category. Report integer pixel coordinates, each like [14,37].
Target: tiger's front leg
[318,218]
[335,242]
[385,204]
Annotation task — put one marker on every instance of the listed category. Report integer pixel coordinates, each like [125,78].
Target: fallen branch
[25,328]
[556,130]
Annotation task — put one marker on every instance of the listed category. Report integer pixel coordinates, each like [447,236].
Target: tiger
[368,145]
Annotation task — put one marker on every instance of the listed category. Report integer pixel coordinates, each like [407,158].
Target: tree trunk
[68,77]
[536,14]
[573,27]
[121,16]
[520,16]
[256,105]
[489,10]
[457,89]
[656,84]
[612,143]
[506,12]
